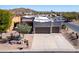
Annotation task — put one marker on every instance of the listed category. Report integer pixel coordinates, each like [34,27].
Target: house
[46,25]
[40,24]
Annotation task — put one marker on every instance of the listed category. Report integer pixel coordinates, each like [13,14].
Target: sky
[57,8]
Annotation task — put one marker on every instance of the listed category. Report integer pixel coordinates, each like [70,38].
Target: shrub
[24,28]
[63,26]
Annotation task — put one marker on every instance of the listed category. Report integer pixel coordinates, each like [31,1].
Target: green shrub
[24,28]
[63,26]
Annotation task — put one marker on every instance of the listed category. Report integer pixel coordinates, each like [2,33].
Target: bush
[63,26]
[24,28]
[70,15]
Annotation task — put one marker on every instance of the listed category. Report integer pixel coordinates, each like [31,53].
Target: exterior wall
[15,19]
[42,24]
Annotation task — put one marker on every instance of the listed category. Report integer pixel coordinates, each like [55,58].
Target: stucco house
[46,25]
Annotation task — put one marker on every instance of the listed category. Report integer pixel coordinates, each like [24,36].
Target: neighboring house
[59,18]
[27,19]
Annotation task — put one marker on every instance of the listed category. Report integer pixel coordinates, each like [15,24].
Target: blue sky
[58,8]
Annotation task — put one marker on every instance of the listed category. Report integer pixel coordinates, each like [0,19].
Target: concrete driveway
[50,42]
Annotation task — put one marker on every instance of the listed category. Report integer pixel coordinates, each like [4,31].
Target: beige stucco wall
[14,20]
[17,19]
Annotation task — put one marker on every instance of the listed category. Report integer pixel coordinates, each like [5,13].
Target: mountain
[21,11]
[24,11]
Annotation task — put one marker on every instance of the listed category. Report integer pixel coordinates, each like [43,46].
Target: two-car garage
[47,30]
[45,25]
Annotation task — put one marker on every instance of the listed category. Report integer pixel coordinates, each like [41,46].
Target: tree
[5,20]
[71,15]
[24,28]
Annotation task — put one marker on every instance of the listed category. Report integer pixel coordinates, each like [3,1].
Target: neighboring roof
[59,18]
[28,16]
[41,17]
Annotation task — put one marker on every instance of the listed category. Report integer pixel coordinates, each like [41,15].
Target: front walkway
[50,42]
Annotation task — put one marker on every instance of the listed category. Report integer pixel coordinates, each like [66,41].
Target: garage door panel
[42,30]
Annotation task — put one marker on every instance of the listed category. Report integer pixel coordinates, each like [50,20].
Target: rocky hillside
[21,11]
